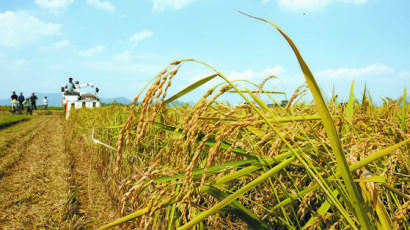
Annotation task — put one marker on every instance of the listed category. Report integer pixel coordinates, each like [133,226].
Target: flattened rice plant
[215,166]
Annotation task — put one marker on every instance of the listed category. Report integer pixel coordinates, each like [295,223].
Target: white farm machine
[78,100]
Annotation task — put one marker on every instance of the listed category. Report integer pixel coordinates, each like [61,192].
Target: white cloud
[380,79]
[19,28]
[20,62]
[251,75]
[101,4]
[312,5]
[91,52]
[54,4]
[139,36]
[128,64]
[246,75]
[276,70]
[355,1]
[404,74]
[173,4]
[12,66]
[352,73]
[61,44]
[55,67]
[125,56]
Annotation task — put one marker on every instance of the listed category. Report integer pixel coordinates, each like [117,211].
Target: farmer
[70,85]
[28,106]
[14,96]
[21,100]
[33,100]
[14,103]
[14,106]
[45,103]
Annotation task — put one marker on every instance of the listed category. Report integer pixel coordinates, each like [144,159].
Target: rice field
[7,119]
[306,165]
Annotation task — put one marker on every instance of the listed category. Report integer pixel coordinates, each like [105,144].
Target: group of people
[18,103]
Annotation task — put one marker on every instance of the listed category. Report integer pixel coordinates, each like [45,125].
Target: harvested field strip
[47,180]
[11,123]
[10,135]
[16,150]
[35,189]
[91,206]
[48,112]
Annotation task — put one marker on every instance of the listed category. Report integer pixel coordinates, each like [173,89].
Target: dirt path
[44,183]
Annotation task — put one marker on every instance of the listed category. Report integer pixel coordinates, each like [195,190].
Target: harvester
[78,100]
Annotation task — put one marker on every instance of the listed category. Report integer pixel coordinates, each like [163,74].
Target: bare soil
[47,180]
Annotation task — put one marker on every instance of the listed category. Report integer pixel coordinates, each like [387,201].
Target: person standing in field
[45,103]
[14,106]
[70,85]
[28,106]
[21,100]
[14,96]
[14,103]
[33,100]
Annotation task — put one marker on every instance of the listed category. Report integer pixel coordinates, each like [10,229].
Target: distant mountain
[54,99]
[118,100]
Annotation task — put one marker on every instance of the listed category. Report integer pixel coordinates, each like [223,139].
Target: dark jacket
[21,99]
[33,99]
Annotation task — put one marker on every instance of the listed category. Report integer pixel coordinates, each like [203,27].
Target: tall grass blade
[202,216]
[258,100]
[190,88]
[237,209]
[134,215]
[404,111]
[350,106]
[210,141]
[331,132]
[321,211]
[364,99]
[368,160]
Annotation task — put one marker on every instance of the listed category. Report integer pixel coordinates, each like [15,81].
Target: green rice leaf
[237,209]
[229,199]
[368,160]
[329,126]
[210,141]
[350,104]
[190,88]
[404,111]
[376,179]
[258,100]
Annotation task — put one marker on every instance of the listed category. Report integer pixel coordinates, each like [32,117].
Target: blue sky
[120,45]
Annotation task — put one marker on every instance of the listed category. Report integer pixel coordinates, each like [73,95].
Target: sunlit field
[302,165]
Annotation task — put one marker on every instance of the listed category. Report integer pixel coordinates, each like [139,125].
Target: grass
[5,120]
[51,108]
[215,166]
[39,107]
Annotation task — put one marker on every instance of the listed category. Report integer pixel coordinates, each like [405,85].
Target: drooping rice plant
[216,166]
